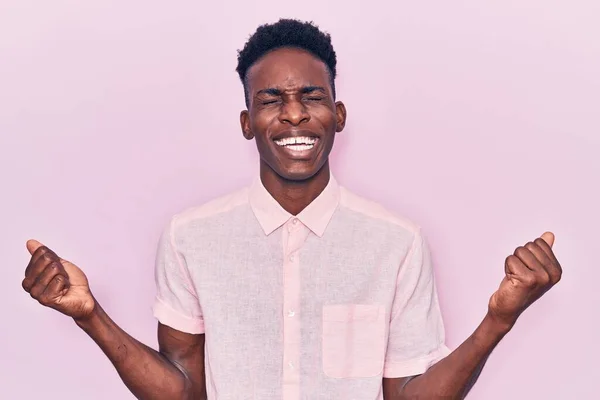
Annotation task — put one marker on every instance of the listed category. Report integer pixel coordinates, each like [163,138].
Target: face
[292,114]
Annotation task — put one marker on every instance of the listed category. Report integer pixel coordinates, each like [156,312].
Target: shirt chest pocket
[353,344]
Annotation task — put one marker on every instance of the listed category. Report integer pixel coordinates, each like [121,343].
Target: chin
[296,176]
[294,170]
[299,173]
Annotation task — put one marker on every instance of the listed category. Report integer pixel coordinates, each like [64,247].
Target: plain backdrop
[478,120]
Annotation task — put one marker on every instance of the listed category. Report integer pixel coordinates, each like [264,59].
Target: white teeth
[300,147]
[302,140]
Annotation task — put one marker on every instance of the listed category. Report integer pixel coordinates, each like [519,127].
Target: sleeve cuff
[167,316]
[416,366]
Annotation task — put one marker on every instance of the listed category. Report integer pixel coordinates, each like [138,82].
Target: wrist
[496,325]
[89,319]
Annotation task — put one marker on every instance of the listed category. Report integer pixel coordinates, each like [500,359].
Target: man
[294,288]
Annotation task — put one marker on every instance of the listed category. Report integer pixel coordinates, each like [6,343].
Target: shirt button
[292,258]
[291,313]
[295,221]
[291,365]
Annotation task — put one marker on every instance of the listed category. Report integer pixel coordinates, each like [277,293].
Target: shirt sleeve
[417,338]
[176,304]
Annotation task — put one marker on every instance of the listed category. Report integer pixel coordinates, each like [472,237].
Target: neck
[294,196]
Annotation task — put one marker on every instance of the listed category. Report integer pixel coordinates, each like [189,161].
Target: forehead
[287,67]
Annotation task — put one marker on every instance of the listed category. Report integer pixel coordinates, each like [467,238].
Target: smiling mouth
[297,144]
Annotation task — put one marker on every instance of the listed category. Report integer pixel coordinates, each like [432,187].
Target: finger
[527,257]
[553,267]
[55,288]
[43,279]
[49,273]
[514,266]
[32,246]
[547,249]
[35,270]
[539,254]
[532,262]
[548,238]
[40,253]
[38,266]
[516,270]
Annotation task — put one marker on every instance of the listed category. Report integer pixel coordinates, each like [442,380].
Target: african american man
[294,288]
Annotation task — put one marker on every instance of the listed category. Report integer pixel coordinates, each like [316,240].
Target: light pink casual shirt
[318,306]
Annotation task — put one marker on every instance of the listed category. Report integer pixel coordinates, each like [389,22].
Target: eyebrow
[303,90]
[310,89]
[270,91]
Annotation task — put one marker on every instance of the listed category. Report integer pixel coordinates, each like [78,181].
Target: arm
[530,272]
[176,372]
[454,376]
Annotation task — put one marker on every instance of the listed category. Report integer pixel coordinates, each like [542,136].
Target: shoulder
[376,212]
[218,206]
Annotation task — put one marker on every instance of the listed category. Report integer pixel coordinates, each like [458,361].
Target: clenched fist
[530,272]
[57,283]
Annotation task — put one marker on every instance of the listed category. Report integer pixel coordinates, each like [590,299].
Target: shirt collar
[315,216]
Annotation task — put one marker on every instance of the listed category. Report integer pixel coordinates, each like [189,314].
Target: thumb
[548,238]
[33,245]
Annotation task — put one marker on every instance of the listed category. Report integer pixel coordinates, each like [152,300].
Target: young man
[294,288]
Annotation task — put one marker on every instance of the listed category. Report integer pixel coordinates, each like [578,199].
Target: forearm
[455,375]
[147,373]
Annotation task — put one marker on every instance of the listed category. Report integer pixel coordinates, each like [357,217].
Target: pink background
[479,121]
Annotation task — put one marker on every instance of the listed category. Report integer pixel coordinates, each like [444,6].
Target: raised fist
[530,272]
[57,283]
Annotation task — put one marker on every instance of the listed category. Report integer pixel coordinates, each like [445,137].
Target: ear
[340,114]
[245,124]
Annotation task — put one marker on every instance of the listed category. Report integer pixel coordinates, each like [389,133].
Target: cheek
[326,117]
[262,121]
[261,137]
[261,141]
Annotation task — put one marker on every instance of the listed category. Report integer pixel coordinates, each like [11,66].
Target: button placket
[293,238]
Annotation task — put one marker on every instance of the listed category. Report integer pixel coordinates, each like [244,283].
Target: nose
[294,113]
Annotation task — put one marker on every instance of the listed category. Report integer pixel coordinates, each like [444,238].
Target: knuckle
[34,293]
[520,251]
[557,266]
[39,252]
[544,279]
[556,276]
[42,302]
[43,299]
[529,280]
[530,246]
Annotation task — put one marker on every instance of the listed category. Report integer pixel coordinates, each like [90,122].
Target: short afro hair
[286,33]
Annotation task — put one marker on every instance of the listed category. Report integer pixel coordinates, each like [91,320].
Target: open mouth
[297,144]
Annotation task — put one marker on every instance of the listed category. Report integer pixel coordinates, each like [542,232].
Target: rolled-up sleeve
[416,335]
[176,304]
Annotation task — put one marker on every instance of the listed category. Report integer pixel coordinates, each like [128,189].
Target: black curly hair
[286,33]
